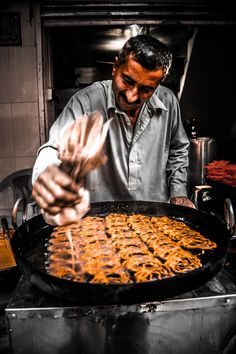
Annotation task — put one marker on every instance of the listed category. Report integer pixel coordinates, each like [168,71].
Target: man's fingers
[46,207]
[54,189]
[182,201]
[59,177]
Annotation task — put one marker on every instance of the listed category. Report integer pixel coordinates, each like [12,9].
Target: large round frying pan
[28,244]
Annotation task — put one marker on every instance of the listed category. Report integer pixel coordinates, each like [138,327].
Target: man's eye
[146,90]
[127,80]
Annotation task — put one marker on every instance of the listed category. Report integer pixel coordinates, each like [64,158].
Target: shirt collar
[153,103]
[111,103]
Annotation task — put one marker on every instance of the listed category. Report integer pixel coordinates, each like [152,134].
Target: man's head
[147,51]
[141,66]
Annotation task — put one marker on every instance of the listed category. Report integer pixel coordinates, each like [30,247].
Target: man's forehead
[135,70]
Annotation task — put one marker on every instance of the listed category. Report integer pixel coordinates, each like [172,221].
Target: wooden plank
[23,75]
[27,24]
[6,138]
[25,129]
[40,73]
[5,84]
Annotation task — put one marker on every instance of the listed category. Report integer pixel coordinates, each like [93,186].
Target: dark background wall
[209,93]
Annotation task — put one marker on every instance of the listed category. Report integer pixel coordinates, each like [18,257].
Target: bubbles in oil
[35,249]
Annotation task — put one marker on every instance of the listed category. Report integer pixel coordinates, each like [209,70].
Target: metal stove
[200,321]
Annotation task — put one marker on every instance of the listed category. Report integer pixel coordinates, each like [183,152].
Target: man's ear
[115,65]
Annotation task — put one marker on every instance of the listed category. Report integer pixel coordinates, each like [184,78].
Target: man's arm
[178,162]
[53,187]
[47,156]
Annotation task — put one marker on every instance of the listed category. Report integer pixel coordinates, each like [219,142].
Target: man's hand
[182,201]
[55,189]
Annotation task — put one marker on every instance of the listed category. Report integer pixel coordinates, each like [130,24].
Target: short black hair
[148,51]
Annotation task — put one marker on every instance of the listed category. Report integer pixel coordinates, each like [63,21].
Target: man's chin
[126,107]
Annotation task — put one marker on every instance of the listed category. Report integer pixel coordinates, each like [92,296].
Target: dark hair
[147,51]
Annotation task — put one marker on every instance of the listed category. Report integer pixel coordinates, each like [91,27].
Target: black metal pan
[28,244]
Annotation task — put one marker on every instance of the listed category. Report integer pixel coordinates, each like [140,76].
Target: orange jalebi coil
[122,248]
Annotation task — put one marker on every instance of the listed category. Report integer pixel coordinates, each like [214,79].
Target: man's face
[133,84]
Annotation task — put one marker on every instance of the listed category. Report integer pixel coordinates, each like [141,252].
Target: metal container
[202,150]
[203,321]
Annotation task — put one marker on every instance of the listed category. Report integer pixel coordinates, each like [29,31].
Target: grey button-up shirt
[147,162]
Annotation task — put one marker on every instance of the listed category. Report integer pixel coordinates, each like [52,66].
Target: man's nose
[132,94]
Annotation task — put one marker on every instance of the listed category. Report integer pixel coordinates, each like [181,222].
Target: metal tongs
[230,218]
[6,233]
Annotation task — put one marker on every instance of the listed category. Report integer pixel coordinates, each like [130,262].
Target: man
[146,146]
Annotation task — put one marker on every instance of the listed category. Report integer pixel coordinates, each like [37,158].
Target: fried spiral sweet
[122,249]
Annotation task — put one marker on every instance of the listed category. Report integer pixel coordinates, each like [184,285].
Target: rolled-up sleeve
[47,156]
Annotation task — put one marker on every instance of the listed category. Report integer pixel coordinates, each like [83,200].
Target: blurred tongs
[6,233]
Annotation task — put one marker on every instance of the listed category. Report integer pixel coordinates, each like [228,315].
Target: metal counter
[201,321]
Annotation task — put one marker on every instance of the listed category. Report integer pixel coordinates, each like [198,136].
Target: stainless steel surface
[200,189]
[202,150]
[230,218]
[202,321]
[165,12]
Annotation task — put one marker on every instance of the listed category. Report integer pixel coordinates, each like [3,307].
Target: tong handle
[229,217]
[5,227]
[15,212]
[6,233]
